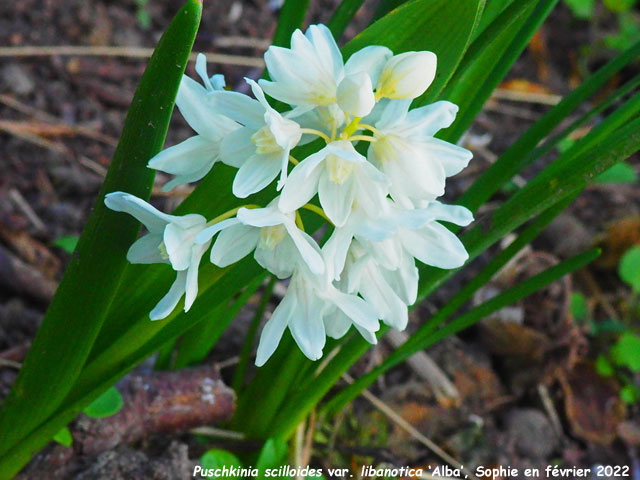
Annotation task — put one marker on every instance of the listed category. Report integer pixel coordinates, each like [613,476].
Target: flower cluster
[376,179]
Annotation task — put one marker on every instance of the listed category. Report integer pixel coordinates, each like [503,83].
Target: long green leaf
[77,312]
[291,17]
[516,156]
[473,86]
[343,15]
[197,342]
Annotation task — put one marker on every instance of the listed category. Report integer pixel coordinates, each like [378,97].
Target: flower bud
[355,94]
[407,75]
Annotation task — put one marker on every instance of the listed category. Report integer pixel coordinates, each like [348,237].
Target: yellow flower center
[264,141]
[338,169]
[163,251]
[272,236]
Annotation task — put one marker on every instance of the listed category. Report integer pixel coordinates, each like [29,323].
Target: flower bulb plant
[381,204]
[328,174]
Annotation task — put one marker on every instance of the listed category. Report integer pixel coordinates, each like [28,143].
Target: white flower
[340,176]
[278,243]
[407,75]
[312,74]
[261,147]
[389,292]
[192,159]
[313,308]
[170,240]
[406,151]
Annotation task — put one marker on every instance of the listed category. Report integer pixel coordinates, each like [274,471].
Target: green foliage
[67,243]
[107,404]
[578,307]
[628,32]
[77,312]
[216,458]
[603,366]
[63,437]
[626,352]
[630,394]
[273,454]
[629,268]
[619,174]
[618,6]
[582,9]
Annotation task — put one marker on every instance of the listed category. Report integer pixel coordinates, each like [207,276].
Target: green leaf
[603,366]
[629,30]
[291,17]
[629,268]
[630,394]
[581,8]
[216,458]
[489,58]
[578,307]
[63,437]
[342,16]
[107,404]
[76,314]
[197,342]
[273,455]
[67,243]
[618,6]
[517,156]
[440,26]
[626,352]
[619,174]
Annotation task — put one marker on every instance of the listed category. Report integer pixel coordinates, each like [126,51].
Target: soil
[520,401]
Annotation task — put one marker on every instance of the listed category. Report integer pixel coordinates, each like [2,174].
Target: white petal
[274,328]
[280,260]
[407,75]
[302,183]
[207,233]
[308,248]
[261,217]
[255,174]
[166,305]
[452,157]
[404,280]
[336,324]
[196,108]
[428,120]
[326,48]
[179,243]
[435,245]
[146,249]
[355,94]
[336,199]
[366,334]
[450,213]
[237,147]
[335,251]
[152,218]
[201,70]
[239,107]
[191,287]
[234,243]
[370,60]
[306,325]
[356,309]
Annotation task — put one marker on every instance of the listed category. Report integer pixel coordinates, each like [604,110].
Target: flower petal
[360,312]
[168,303]
[146,250]
[302,183]
[306,325]
[261,217]
[239,107]
[274,328]
[255,174]
[191,287]
[236,147]
[370,60]
[233,244]
[355,94]
[152,218]
[337,198]
[435,245]
[308,248]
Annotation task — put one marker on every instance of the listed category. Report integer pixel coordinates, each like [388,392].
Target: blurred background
[551,380]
